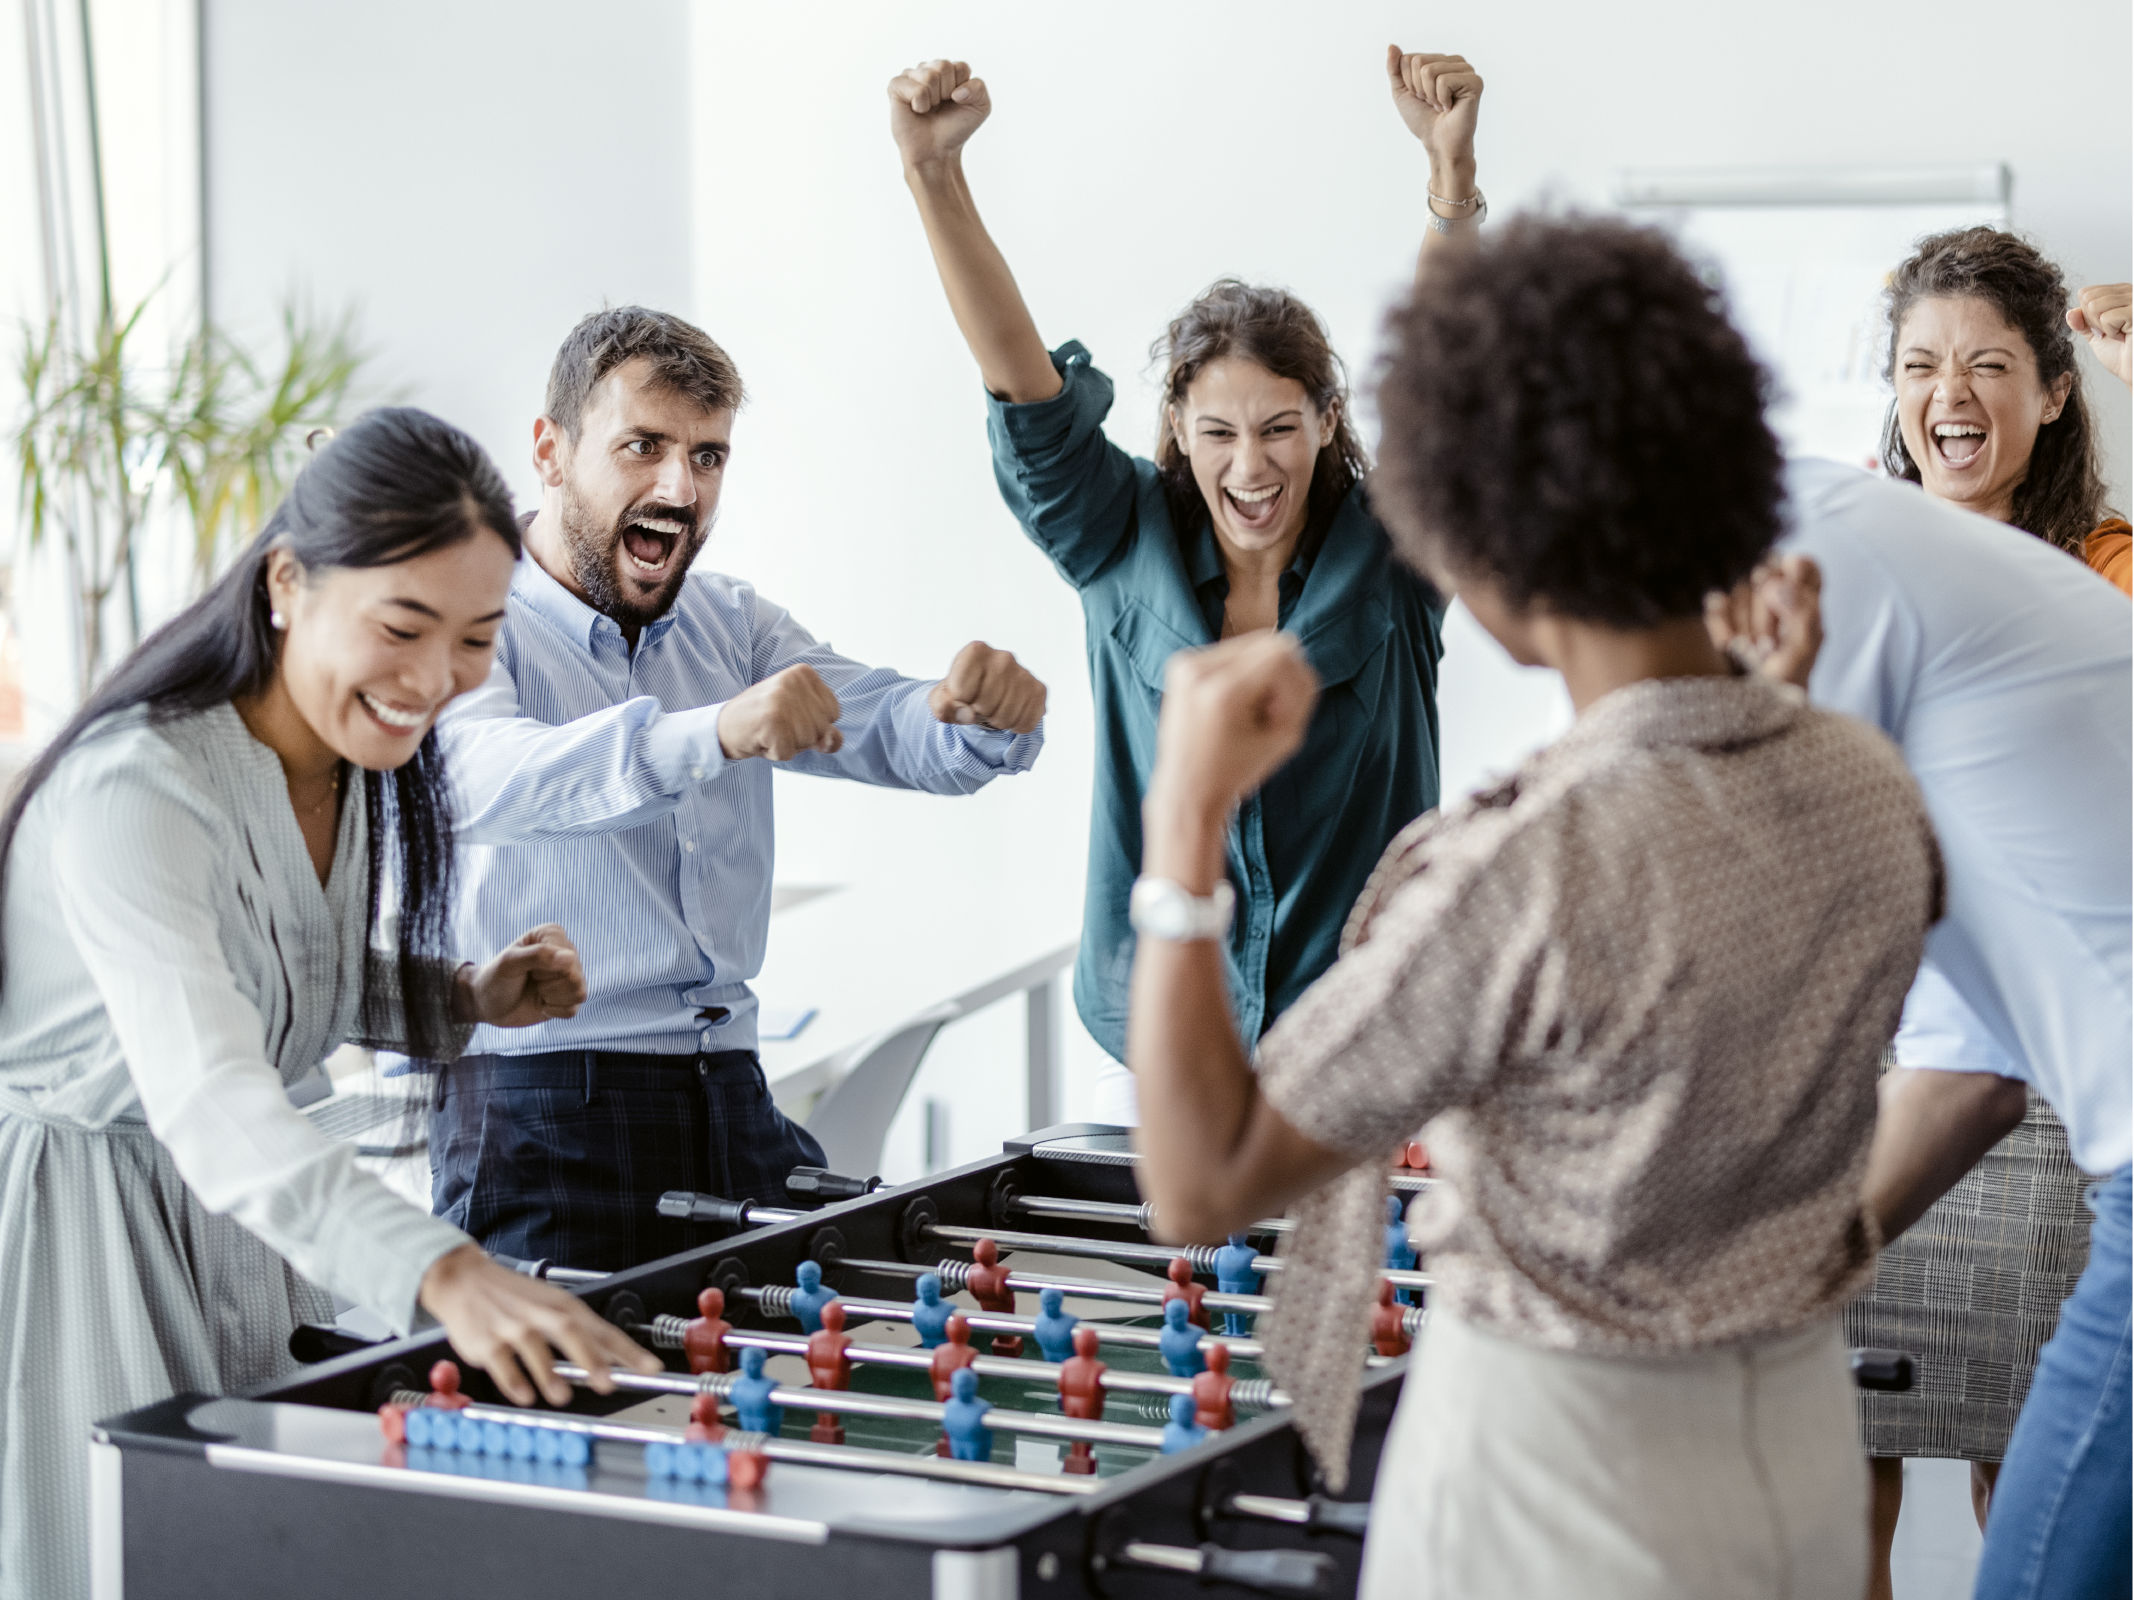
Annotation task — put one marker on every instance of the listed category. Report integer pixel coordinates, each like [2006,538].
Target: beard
[600,558]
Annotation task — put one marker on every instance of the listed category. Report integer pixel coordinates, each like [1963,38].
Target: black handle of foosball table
[1339,1516]
[820,1183]
[1270,1571]
[312,1342]
[1890,1371]
[683,1206]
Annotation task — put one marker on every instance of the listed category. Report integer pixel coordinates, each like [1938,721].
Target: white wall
[471,178]
[1138,151]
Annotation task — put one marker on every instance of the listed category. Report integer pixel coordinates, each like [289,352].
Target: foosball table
[988,1385]
[971,1387]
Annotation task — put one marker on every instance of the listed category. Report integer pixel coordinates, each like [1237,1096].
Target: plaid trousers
[563,1156]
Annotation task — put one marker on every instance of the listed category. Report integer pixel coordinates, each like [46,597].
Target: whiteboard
[1803,259]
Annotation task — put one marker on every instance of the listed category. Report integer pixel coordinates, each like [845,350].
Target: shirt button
[689,845]
[696,772]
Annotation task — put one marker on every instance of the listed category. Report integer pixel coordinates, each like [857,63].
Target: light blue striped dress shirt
[592,791]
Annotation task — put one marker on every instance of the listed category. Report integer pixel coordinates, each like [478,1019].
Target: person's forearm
[1191,1073]
[1931,1129]
[982,294]
[1455,181]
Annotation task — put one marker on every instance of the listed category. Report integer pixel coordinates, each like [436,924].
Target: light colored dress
[166,1216]
[1642,987]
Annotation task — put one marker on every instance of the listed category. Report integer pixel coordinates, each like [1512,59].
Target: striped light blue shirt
[592,791]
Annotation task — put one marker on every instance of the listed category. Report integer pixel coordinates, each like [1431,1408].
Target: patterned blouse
[1642,988]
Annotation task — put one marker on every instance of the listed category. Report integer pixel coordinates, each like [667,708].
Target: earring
[277,621]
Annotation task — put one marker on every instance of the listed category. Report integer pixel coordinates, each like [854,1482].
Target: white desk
[875,956]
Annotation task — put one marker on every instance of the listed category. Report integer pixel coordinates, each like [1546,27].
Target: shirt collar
[1204,560]
[538,588]
[1704,713]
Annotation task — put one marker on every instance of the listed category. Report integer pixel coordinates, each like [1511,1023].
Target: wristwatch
[1161,909]
[1477,208]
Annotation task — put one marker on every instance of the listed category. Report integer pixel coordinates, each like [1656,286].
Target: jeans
[563,1156]
[2060,1523]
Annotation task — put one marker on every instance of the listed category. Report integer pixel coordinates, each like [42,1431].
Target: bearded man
[616,772]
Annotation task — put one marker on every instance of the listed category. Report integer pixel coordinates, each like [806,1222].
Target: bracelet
[1438,224]
[1470,202]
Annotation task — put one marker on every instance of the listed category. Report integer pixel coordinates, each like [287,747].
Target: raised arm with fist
[989,688]
[1232,714]
[1439,97]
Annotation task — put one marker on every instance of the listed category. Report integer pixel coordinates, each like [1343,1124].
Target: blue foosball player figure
[1234,1275]
[1181,1432]
[1179,1343]
[930,1313]
[963,1419]
[751,1395]
[810,1297]
[1055,1327]
[1400,1254]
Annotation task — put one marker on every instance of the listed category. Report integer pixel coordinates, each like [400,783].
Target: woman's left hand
[536,978]
[1232,713]
[1439,98]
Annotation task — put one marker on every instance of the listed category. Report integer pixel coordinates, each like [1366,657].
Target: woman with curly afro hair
[1637,990]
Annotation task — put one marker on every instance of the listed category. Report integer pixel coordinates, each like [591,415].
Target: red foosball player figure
[444,1389]
[704,1424]
[1182,1287]
[1211,1391]
[1387,1332]
[988,1284]
[829,1368]
[1082,1395]
[704,1340]
[950,1356]
[444,1395]
[745,1470]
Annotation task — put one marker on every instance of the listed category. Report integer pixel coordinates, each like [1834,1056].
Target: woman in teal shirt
[1253,514]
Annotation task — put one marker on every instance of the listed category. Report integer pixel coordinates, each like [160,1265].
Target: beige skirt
[1516,1472]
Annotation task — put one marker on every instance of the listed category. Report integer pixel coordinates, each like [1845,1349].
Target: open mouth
[649,544]
[394,719]
[1255,508]
[1958,443]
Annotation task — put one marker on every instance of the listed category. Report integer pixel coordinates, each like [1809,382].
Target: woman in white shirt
[193,873]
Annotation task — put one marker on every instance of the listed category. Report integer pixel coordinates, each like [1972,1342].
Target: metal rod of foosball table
[1140,1216]
[843,1456]
[953,1273]
[1000,1322]
[847,1403]
[1247,1391]
[1201,1256]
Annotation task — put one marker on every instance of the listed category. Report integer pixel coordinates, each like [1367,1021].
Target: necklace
[327,798]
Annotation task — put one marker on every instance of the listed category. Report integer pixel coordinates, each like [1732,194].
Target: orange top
[2110,551]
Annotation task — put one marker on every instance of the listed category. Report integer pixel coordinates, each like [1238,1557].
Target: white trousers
[1520,1473]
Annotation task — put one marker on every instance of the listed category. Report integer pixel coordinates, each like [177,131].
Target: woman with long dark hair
[1988,413]
[1251,516]
[194,876]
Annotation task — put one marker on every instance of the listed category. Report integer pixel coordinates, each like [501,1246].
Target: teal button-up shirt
[1302,847]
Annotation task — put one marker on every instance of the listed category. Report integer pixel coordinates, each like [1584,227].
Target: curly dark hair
[2062,496]
[1271,328]
[1568,413]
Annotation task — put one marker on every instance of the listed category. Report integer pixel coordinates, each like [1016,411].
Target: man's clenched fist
[786,713]
[989,688]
